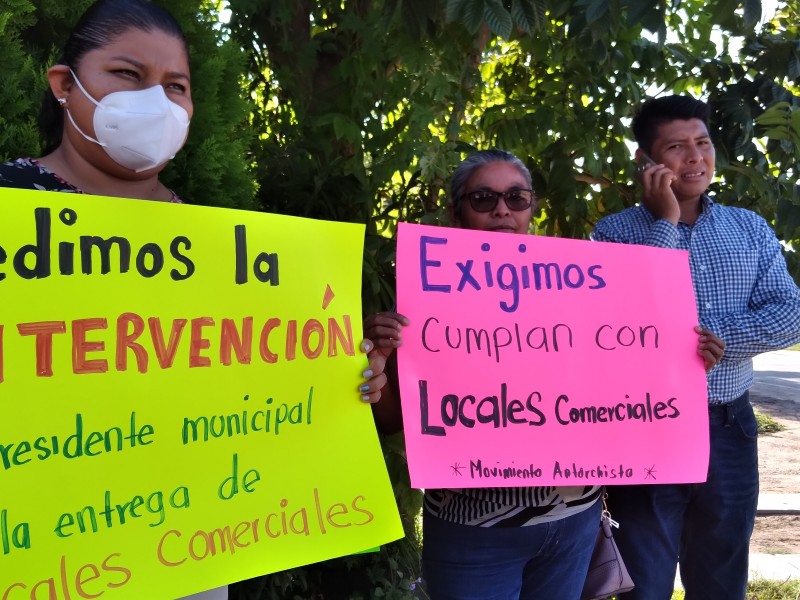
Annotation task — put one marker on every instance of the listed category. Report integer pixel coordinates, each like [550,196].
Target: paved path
[778,567]
[777,375]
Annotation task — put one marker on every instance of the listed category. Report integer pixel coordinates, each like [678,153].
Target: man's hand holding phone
[642,162]
[657,194]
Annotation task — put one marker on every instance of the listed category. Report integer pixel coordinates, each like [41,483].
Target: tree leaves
[473,14]
[498,18]
[596,10]
[454,9]
[529,15]
[787,223]
[646,13]
[752,13]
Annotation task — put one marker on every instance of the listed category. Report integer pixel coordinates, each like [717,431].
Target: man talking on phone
[747,304]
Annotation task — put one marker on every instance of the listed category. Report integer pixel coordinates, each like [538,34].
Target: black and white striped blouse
[509,507]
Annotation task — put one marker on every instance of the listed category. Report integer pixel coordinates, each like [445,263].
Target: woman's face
[496,177]
[135,60]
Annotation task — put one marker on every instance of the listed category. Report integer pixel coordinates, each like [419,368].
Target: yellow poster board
[178,398]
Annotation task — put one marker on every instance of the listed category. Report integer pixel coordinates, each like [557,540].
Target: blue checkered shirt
[743,291]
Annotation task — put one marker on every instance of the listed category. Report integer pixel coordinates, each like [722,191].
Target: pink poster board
[542,361]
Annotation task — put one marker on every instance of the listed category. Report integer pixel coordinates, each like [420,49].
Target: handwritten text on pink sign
[542,361]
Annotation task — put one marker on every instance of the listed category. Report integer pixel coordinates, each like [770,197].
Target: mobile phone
[642,162]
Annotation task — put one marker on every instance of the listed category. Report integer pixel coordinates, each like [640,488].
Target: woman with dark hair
[101,23]
[493,543]
[117,110]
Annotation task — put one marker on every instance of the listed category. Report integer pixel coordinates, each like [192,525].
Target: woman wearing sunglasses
[493,543]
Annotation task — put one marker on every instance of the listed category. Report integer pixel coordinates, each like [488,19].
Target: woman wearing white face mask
[118,107]
[139,129]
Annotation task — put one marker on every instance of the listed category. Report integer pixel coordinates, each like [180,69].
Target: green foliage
[763,589]
[23,80]
[766,589]
[767,424]
[358,110]
[212,169]
[364,107]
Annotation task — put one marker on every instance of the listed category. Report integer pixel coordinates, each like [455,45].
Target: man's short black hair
[657,111]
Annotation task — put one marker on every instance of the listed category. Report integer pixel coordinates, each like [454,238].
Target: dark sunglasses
[487,200]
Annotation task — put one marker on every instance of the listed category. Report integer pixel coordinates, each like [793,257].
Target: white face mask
[138,129]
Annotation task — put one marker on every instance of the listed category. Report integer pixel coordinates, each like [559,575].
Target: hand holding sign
[385,329]
[711,348]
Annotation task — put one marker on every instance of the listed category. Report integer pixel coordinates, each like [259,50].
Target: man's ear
[61,82]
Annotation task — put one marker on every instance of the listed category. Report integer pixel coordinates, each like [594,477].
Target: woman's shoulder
[28,174]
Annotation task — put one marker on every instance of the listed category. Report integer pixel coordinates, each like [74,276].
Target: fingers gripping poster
[540,361]
[178,398]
